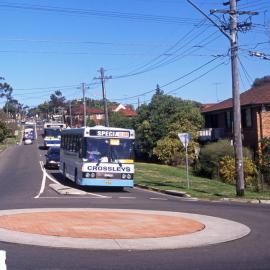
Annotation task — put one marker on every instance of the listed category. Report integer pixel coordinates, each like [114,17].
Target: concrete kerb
[177,193]
[65,190]
[185,195]
[217,230]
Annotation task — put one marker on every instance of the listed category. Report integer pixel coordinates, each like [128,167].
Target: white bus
[52,134]
[98,156]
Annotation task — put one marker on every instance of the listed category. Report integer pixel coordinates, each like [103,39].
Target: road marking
[159,199]
[73,197]
[66,187]
[3,257]
[127,197]
[51,178]
[43,180]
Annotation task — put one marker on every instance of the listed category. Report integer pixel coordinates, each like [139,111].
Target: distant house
[125,110]
[255,113]
[95,114]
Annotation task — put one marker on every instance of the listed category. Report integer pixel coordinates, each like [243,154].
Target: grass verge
[172,178]
[7,142]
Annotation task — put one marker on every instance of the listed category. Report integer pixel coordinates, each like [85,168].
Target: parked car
[53,157]
[28,141]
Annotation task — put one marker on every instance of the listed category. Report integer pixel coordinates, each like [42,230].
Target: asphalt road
[20,187]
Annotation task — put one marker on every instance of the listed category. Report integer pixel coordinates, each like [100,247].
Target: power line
[100,13]
[189,82]
[248,77]
[197,78]
[165,53]
[171,82]
[173,59]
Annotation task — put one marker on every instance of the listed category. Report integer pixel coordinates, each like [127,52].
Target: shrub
[3,131]
[227,172]
[210,156]
[168,150]
[264,159]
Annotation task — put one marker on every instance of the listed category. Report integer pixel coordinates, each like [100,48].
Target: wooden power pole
[237,136]
[102,78]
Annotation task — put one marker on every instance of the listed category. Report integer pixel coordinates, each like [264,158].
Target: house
[255,114]
[95,114]
[125,110]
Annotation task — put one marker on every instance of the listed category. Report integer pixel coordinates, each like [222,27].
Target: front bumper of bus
[106,182]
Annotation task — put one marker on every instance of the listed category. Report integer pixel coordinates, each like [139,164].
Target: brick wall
[263,123]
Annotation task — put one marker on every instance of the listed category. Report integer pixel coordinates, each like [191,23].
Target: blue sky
[48,45]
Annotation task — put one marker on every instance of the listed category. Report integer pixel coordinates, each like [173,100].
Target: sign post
[185,138]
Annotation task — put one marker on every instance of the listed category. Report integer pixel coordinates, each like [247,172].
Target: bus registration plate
[108,182]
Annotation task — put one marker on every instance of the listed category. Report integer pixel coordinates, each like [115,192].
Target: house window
[247,118]
[228,119]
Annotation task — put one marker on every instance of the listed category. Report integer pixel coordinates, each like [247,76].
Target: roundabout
[115,229]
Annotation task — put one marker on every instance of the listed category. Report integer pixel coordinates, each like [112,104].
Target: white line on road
[73,197]
[159,199]
[127,197]
[51,178]
[56,182]
[43,180]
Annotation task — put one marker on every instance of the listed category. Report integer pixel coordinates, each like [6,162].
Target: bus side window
[69,146]
[80,147]
[63,142]
[73,143]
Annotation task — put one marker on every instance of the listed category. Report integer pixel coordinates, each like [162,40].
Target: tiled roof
[255,96]
[79,110]
[128,112]
[125,110]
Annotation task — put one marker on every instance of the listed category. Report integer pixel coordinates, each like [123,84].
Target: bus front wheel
[76,177]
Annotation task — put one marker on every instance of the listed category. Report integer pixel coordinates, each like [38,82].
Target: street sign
[184,138]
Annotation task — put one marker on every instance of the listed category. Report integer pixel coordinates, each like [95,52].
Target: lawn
[174,178]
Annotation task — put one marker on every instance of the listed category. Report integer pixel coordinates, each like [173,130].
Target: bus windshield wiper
[116,158]
[98,162]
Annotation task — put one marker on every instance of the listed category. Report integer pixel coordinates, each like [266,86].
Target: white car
[28,141]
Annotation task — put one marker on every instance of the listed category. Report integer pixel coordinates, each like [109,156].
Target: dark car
[53,158]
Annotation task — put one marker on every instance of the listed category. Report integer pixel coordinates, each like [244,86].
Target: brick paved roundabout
[112,229]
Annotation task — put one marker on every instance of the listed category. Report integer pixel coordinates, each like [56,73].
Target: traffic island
[115,229]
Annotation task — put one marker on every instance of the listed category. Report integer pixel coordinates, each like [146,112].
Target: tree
[169,149]
[260,81]
[57,100]
[5,90]
[13,106]
[162,119]
[117,119]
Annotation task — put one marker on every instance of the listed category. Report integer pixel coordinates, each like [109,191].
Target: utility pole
[233,27]
[70,114]
[84,105]
[102,78]
[238,149]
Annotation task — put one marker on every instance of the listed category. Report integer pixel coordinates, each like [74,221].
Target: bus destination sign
[110,133]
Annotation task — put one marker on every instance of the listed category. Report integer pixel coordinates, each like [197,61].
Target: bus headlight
[123,176]
[129,176]
[89,175]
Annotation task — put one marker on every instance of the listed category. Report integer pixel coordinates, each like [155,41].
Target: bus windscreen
[52,132]
[111,150]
